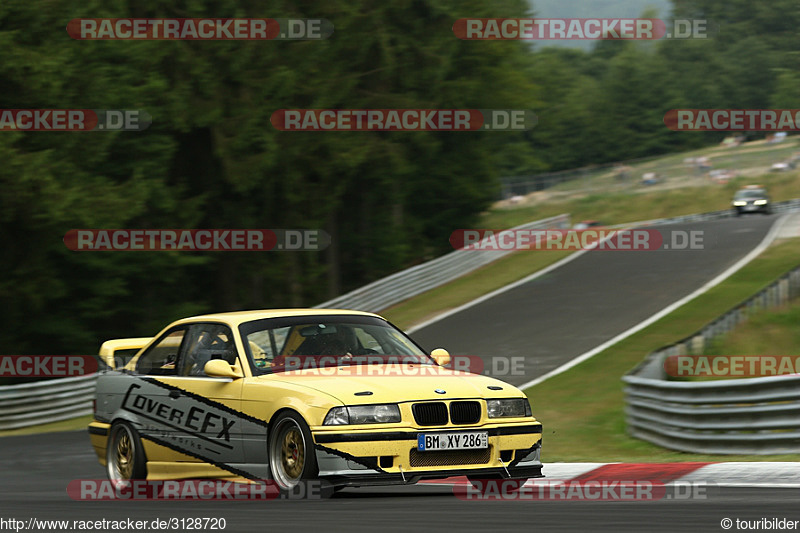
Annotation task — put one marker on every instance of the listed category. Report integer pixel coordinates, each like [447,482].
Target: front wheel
[125,459]
[292,458]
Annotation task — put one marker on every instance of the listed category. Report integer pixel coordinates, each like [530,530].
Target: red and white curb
[755,474]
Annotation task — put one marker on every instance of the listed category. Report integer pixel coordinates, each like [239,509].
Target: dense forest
[211,158]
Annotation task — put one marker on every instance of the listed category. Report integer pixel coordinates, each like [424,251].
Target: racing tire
[293,460]
[125,458]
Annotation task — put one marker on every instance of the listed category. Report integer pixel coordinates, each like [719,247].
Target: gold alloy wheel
[121,455]
[125,456]
[293,453]
[287,453]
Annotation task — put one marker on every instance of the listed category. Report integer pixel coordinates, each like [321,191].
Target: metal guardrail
[753,416]
[407,283]
[41,402]
[777,207]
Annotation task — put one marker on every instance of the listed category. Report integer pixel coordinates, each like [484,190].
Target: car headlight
[514,407]
[760,202]
[363,414]
[739,203]
[336,417]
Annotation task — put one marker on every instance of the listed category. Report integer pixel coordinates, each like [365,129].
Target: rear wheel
[125,459]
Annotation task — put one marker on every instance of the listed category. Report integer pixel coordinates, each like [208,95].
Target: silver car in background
[751,199]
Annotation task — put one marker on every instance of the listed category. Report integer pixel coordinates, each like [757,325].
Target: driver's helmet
[343,341]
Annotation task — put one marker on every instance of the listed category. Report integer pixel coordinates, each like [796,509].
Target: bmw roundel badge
[440,391]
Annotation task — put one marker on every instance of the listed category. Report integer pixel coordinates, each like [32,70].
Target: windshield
[753,193]
[292,343]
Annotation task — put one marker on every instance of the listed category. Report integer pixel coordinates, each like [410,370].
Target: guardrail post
[698,344]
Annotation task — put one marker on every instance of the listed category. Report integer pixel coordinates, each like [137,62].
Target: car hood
[417,382]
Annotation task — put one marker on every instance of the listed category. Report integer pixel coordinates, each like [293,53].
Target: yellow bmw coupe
[293,395]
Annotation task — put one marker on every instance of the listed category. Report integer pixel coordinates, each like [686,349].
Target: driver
[342,342]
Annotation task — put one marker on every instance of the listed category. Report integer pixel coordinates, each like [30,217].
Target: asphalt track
[556,317]
[35,470]
[549,321]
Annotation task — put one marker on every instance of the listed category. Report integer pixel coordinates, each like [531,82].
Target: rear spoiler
[116,353]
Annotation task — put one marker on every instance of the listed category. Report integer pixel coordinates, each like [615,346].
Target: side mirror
[217,368]
[441,356]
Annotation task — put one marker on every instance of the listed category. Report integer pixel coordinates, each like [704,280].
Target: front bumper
[383,458]
[751,208]
[366,480]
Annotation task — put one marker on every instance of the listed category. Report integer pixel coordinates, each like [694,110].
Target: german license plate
[473,440]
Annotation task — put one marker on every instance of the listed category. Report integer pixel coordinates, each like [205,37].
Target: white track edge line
[628,226]
[773,232]
[495,292]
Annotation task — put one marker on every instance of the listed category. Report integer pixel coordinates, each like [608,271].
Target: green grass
[767,332]
[582,409]
[747,156]
[755,157]
[72,424]
[619,208]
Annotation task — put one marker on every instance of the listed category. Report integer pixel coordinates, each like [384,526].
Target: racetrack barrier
[750,416]
[407,283]
[41,402]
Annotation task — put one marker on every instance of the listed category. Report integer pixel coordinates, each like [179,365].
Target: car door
[209,407]
[151,403]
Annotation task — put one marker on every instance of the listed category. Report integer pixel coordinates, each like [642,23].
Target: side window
[124,355]
[160,358]
[206,342]
[267,344]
